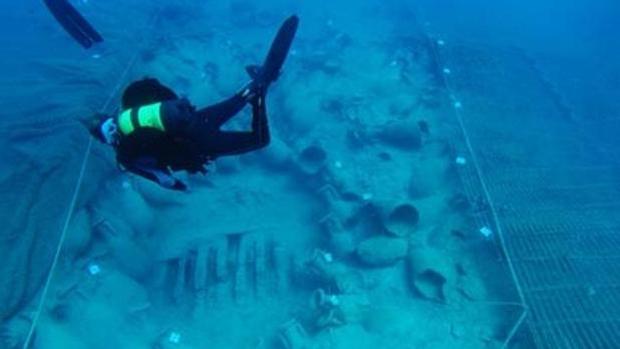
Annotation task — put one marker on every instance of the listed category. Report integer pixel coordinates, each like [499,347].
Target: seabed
[369,221]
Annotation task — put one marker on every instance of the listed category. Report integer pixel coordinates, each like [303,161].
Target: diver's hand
[169,182]
[147,168]
[179,185]
[257,99]
[252,91]
[173,183]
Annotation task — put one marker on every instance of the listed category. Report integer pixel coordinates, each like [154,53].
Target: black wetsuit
[192,137]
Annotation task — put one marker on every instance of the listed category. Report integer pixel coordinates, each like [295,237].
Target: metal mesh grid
[555,188]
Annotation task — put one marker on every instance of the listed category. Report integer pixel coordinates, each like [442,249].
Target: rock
[402,135]
[381,251]
[401,220]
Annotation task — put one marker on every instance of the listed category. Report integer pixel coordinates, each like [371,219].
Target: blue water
[441,174]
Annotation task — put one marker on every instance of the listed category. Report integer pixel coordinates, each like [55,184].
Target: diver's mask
[109,131]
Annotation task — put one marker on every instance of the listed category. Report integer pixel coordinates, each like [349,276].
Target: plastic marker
[174,337]
[460,160]
[486,232]
[328,257]
[447,71]
[441,42]
[458,105]
[94,269]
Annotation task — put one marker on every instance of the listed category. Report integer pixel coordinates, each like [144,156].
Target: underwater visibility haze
[309,175]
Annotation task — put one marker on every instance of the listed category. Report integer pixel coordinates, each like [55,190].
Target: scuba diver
[73,22]
[158,133]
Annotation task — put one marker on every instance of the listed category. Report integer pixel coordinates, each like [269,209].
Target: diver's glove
[249,91]
[146,167]
[168,181]
[257,86]
[257,99]
[179,185]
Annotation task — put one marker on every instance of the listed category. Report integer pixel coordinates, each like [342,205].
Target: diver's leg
[223,143]
[218,114]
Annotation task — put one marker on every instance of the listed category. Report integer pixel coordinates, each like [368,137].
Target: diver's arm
[145,167]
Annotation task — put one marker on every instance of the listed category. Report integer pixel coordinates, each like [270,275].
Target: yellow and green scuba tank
[148,116]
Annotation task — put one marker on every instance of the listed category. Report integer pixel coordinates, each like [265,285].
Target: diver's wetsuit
[158,133]
[192,137]
[206,123]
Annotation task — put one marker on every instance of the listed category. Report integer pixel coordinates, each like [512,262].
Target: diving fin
[253,71]
[73,22]
[144,92]
[281,44]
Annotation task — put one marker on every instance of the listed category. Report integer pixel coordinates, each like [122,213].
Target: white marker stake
[94,269]
[174,337]
[460,160]
[486,232]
